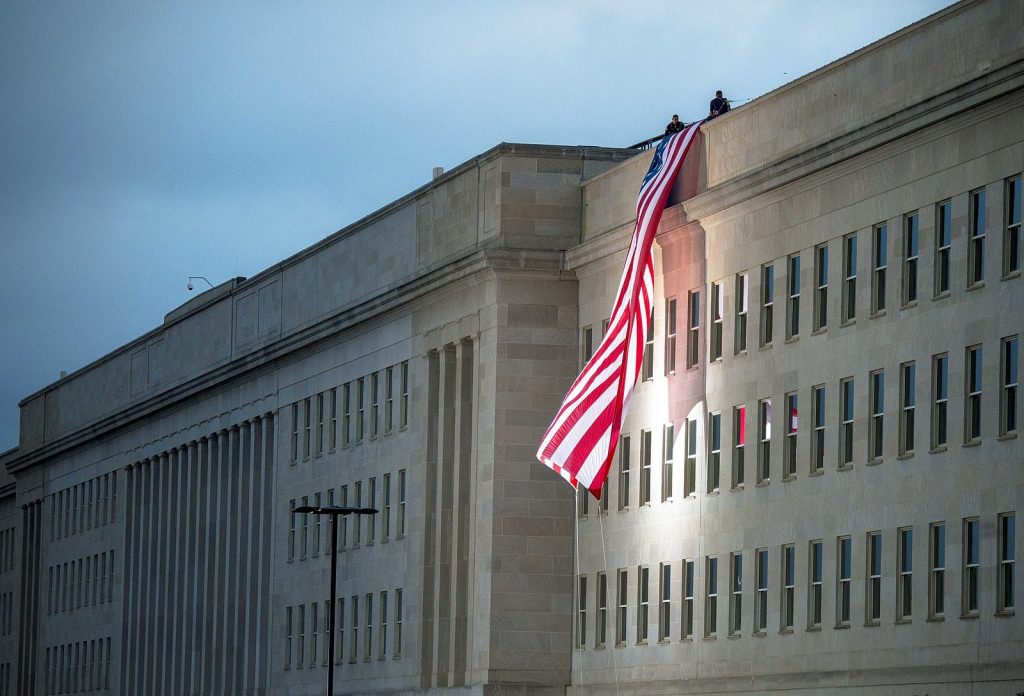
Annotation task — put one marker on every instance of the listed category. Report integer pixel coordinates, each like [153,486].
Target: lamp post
[333,511]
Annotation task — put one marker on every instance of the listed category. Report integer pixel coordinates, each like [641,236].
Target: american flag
[580,442]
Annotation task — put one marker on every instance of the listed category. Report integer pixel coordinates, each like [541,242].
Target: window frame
[943,247]
[793,300]
[849,298]
[767,327]
[1012,226]
[879,267]
[911,256]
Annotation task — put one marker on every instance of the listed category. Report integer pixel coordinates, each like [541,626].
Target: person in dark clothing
[674,126]
[719,105]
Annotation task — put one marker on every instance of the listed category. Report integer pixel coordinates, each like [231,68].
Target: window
[844,566]
[686,620]
[788,596]
[620,609]
[873,582]
[332,431]
[761,594]
[665,601]
[1007,557]
[943,242]
[693,329]
[623,472]
[389,399]
[601,630]
[976,252]
[307,426]
[401,504]
[357,523]
[714,451]
[880,262]
[382,642]
[368,635]
[735,593]
[670,336]
[940,399]
[288,638]
[647,369]
[971,567]
[645,467]
[602,503]
[767,304]
[818,436]
[711,599]
[305,528]
[314,633]
[386,518]
[666,466]
[320,414]
[814,596]
[295,433]
[789,458]
[403,412]
[399,614]
[739,433]
[764,437]
[972,410]
[937,570]
[793,301]
[911,231]
[717,311]
[1011,236]
[300,656]
[690,471]
[849,278]
[1008,387]
[339,622]
[587,345]
[908,401]
[581,611]
[643,600]
[742,289]
[876,435]
[346,414]
[317,527]
[905,589]
[371,501]
[360,407]
[820,287]
[291,530]
[846,423]
[582,502]
[343,529]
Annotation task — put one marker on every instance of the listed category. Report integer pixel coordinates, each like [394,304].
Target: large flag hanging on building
[580,442]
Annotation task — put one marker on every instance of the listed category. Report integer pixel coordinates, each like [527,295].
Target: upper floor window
[793,300]
[880,264]
[767,304]
[976,252]
[1011,235]
[742,289]
[693,330]
[849,278]
[911,230]
[820,287]
[670,336]
[943,244]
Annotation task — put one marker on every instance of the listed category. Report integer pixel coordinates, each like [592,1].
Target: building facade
[819,478]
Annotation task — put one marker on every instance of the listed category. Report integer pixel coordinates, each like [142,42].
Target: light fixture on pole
[202,278]
[334,511]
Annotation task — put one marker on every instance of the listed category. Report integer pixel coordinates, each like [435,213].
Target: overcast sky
[144,142]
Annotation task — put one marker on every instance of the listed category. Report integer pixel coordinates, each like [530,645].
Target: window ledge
[876,461]
[711,637]
[937,450]
[872,624]
[737,487]
[1011,275]
[739,354]
[876,315]
[792,339]
[845,467]
[762,484]
[765,346]
[785,631]
[1003,613]
[734,636]
[903,622]
[972,443]
[969,617]
[1007,436]
[909,305]
[819,331]
[790,477]
[817,472]
[935,619]
[664,641]
[848,322]
[813,629]
[976,286]
[941,296]
[714,492]
[758,634]
[841,627]
[905,455]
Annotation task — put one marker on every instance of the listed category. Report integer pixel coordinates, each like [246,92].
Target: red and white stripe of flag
[580,442]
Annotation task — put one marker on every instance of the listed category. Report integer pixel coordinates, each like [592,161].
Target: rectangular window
[368,634]
[295,433]
[320,415]
[844,566]
[686,619]
[764,437]
[288,638]
[339,622]
[873,581]
[386,518]
[742,292]
[735,593]
[693,329]
[972,562]
[400,525]
[711,598]
[343,521]
[620,609]
[911,239]
[690,471]
[581,611]
[602,502]
[645,467]
[399,615]
[403,411]
[846,423]
[314,634]
[300,656]
[789,458]
[972,407]
[382,638]
[307,425]
[582,502]
[1008,387]
[332,426]
[818,436]
[940,399]
[371,501]
[601,629]
[714,452]
[943,243]
[876,434]
[670,336]
[389,399]
[820,287]
[767,304]
[305,528]
[849,278]
[793,301]
[717,310]
[739,434]
[908,402]
[623,472]
[905,588]
[668,445]
[976,252]
[879,265]
[664,601]
[788,596]
[814,595]
[643,601]
[357,523]
[1011,235]
[316,529]
[1007,560]
[761,594]
[937,570]
[346,414]
[360,408]
[647,368]
[291,530]
[586,345]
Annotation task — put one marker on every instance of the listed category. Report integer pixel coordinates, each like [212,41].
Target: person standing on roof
[674,126]
[719,105]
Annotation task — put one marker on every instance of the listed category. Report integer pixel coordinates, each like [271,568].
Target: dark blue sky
[145,142]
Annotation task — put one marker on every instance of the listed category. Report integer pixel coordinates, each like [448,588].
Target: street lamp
[333,511]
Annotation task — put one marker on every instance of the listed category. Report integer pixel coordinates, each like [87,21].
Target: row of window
[299,525]
[86,506]
[307,650]
[6,613]
[78,667]
[7,550]
[903,598]
[86,582]
[906,428]
[354,401]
